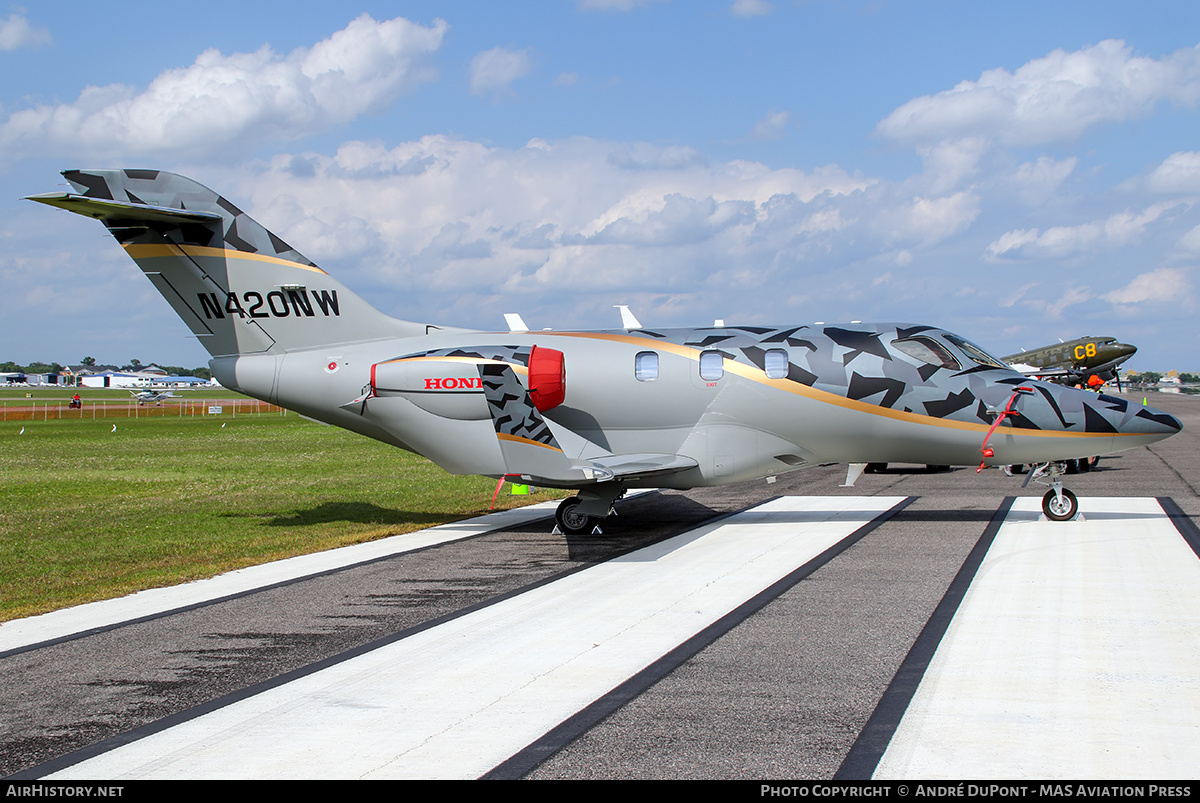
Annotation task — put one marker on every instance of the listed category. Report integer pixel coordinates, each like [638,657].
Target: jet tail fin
[239,288]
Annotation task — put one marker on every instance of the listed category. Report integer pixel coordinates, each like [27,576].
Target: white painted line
[81,618]
[1074,654]
[457,700]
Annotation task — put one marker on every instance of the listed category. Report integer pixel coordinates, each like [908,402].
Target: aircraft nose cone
[1157,422]
[1111,414]
[1130,422]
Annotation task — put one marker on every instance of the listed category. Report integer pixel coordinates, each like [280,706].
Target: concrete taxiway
[1073,654]
[917,625]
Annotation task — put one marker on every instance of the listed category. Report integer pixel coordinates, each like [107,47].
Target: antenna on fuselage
[515,324]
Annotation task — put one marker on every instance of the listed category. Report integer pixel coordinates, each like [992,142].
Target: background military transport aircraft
[1074,362]
[596,411]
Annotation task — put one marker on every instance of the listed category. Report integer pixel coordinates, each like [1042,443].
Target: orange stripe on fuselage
[825,397]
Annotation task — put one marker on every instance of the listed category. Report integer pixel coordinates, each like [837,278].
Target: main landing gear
[1058,504]
[571,520]
[583,513]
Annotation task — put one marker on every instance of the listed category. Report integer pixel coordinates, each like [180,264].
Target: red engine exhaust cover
[547,378]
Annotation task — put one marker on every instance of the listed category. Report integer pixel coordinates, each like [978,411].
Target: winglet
[628,320]
[853,472]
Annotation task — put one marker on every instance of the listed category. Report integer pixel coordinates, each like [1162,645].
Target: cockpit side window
[927,350]
[974,352]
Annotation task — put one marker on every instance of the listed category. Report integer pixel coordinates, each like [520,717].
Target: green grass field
[87,513]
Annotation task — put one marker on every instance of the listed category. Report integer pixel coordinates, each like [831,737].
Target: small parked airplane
[151,396]
[595,411]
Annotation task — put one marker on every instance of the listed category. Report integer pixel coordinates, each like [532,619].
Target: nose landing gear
[1059,504]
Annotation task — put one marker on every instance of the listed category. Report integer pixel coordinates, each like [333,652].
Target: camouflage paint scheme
[281,329]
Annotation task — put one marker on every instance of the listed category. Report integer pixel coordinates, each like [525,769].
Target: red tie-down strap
[1008,410]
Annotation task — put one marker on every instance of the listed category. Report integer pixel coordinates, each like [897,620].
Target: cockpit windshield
[927,350]
[974,352]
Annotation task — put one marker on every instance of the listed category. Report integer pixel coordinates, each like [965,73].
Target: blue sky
[1018,173]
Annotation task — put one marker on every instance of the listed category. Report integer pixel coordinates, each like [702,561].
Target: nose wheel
[1060,505]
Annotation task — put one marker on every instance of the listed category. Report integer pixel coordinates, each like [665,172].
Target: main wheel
[1057,510]
[570,520]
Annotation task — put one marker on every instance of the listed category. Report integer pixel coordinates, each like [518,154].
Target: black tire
[570,521]
[1060,511]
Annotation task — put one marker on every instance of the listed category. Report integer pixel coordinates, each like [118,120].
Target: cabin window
[927,350]
[775,364]
[712,365]
[645,366]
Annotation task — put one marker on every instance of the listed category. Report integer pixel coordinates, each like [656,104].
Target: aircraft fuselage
[744,403]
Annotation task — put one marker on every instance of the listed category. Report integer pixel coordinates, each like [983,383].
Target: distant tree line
[32,368]
[133,366]
[1153,377]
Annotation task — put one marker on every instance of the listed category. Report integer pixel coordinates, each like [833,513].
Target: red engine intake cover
[547,378]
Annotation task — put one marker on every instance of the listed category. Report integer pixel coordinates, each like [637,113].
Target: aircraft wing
[1041,373]
[531,445]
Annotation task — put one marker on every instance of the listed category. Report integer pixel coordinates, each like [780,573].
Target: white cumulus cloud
[1051,99]
[17,33]
[930,220]
[236,101]
[1060,242]
[493,71]
[1036,181]
[771,127]
[1164,284]
[1178,173]
[470,231]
